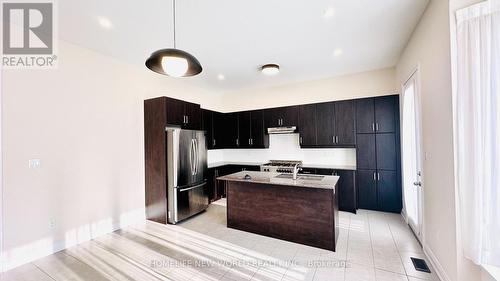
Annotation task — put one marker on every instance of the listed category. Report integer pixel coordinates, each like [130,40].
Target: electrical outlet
[34,163]
[52,223]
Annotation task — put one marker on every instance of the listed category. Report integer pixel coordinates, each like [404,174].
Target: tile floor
[372,246]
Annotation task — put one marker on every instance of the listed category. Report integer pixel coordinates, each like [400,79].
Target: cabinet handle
[374,176]
[237,142]
[376,127]
[337,139]
[333,139]
[187,119]
[300,140]
[373,127]
[213,142]
[378,176]
[251,141]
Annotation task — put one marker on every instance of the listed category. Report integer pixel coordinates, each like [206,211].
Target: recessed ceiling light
[329,13]
[105,22]
[337,52]
[221,77]
[270,69]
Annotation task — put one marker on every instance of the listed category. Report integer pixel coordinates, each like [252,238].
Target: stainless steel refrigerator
[187,173]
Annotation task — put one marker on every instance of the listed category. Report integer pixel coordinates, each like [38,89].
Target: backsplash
[286,147]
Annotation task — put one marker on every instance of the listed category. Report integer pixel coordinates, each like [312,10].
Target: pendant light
[174,62]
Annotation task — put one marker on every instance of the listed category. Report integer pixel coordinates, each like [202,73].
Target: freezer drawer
[188,201]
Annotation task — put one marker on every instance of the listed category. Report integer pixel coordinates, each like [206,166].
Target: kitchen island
[303,211]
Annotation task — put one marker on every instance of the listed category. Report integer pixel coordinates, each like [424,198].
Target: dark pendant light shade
[174,62]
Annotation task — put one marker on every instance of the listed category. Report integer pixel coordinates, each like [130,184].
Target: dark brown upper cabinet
[377,115]
[219,127]
[345,123]
[251,130]
[324,120]
[258,136]
[184,114]
[245,127]
[207,125]
[307,125]
[330,124]
[281,116]
[228,130]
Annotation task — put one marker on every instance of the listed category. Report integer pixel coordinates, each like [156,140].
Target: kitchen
[179,165]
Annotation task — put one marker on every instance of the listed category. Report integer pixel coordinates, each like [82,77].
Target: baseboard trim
[435,264]
[45,247]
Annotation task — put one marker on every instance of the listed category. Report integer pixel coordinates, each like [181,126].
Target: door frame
[415,75]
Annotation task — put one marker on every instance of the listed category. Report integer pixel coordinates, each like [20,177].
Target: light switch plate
[34,163]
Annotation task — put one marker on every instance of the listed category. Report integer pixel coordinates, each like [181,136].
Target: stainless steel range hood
[282,130]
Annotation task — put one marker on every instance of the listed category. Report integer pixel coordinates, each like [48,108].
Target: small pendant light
[174,62]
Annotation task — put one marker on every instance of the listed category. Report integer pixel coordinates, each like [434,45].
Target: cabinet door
[367,189]
[211,186]
[175,112]
[386,109]
[324,121]
[244,121]
[345,123]
[386,152]
[259,138]
[389,197]
[207,126]
[366,152]
[272,117]
[347,190]
[193,116]
[307,125]
[290,116]
[365,116]
[229,138]
[325,172]
[219,128]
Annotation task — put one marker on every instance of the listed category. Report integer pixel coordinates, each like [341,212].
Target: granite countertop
[326,182]
[224,163]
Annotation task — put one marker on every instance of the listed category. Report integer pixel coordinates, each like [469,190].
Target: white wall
[366,84]
[84,121]
[286,147]
[429,48]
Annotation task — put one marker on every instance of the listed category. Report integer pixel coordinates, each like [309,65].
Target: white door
[411,152]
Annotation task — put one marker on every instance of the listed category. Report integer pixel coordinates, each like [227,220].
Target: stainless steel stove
[280,166]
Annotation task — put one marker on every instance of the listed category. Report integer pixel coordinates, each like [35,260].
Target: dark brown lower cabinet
[217,189]
[347,190]
[346,186]
[367,189]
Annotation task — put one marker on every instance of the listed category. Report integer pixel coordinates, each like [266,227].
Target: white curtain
[476,102]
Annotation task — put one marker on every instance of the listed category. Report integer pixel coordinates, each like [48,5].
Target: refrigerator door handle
[192,187]
[195,158]
[191,152]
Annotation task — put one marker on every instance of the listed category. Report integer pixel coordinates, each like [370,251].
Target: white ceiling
[235,38]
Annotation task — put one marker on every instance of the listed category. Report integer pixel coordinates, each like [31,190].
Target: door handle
[196,156]
[191,152]
[192,187]
[418,183]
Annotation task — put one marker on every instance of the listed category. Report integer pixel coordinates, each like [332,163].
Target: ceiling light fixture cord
[173,1]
